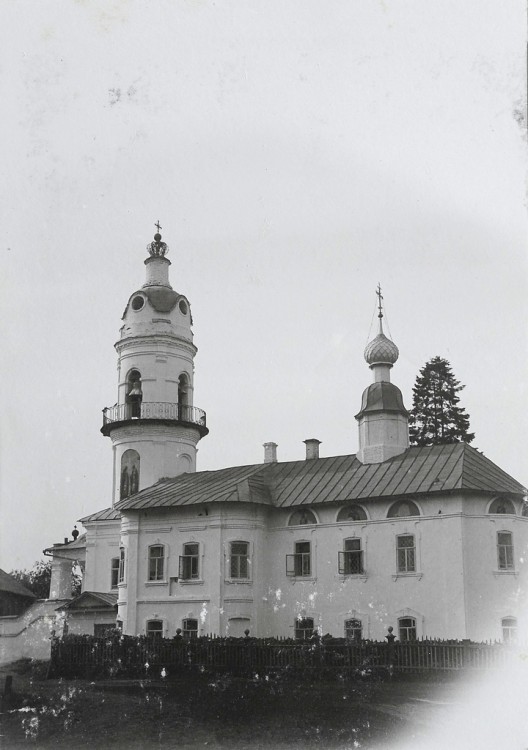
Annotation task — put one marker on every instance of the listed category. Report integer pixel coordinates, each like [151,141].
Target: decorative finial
[157,248]
[380,307]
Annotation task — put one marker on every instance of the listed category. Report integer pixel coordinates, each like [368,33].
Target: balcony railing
[154,410]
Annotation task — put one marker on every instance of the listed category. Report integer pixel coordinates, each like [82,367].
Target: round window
[138,302]
[183,307]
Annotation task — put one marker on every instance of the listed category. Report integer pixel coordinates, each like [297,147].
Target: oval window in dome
[138,302]
[183,307]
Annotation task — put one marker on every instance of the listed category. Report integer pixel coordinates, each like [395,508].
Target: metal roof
[91,600]
[12,586]
[108,514]
[419,470]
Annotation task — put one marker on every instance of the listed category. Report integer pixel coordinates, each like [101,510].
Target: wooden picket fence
[129,656]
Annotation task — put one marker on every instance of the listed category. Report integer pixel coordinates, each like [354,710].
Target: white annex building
[430,540]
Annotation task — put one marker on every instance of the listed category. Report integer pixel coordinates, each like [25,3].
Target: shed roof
[418,470]
[12,586]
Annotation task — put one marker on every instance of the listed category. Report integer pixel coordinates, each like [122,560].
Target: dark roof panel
[10,585]
[418,470]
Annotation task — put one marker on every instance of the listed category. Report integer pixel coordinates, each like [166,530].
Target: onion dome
[381,351]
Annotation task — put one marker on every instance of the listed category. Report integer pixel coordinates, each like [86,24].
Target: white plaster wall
[456,592]
[102,544]
[29,634]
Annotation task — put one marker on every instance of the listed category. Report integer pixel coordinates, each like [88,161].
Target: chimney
[312,448]
[270,453]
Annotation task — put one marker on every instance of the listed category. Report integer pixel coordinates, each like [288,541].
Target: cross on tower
[157,224]
[380,298]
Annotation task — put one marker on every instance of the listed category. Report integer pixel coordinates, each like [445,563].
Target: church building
[431,540]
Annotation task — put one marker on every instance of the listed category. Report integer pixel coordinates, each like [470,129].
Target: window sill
[243,581]
[355,576]
[406,575]
[191,581]
[121,585]
[506,572]
[301,578]
[156,583]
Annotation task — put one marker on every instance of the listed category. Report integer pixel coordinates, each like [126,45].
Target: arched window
[129,473]
[353,630]
[134,394]
[509,629]
[502,505]
[402,509]
[156,562]
[304,628]
[190,628]
[407,628]
[183,397]
[155,629]
[352,512]
[524,510]
[302,518]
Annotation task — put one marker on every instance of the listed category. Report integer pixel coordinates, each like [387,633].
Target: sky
[296,155]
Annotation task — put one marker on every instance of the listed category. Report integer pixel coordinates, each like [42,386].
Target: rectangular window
[406,554]
[509,629]
[121,577]
[505,550]
[353,630]
[304,628]
[189,562]
[407,628]
[239,560]
[190,628]
[351,558]
[156,560]
[155,629]
[300,563]
[114,572]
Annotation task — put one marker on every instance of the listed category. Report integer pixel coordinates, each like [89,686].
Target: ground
[213,711]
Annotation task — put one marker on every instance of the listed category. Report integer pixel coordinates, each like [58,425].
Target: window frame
[157,633]
[406,628]
[304,630]
[406,567]
[122,566]
[189,564]
[353,628]
[154,573]
[237,560]
[114,572]
[346,567]
[187,632]
[299,563]
[509,627]
[505,551]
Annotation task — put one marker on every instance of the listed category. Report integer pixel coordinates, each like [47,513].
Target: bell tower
[383,419]
[154,426]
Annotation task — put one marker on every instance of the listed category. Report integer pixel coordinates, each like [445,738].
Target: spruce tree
[436,418]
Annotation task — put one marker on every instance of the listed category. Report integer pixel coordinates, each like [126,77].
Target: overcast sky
[296,154]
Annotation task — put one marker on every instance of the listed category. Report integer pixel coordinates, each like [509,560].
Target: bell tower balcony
[160,412]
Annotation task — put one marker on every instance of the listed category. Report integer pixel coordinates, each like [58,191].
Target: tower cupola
[154,425]
[383,419]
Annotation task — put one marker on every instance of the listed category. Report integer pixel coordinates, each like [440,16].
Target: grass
[208,711]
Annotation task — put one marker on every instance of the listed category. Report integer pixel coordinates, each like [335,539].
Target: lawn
[215,711]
